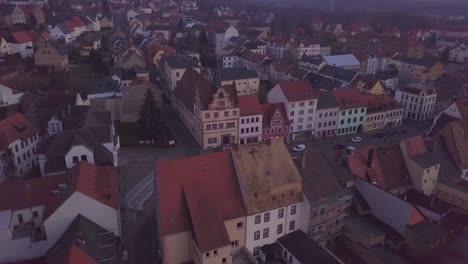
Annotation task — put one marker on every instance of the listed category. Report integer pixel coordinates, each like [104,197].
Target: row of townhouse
[280,47]
[223,114]
[243,200]
[21,14]
[216,115]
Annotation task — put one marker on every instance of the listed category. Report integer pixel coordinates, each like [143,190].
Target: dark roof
[426,159]
[305,250]
[97,86]
[319,182]
[315,60]
[180,61]
[236,74]
[426,61]
[72,116]
[338,73]
[326,100]
[93,241]
[323,82]
[441,122]
[191,83]
[431,203]
[55,147]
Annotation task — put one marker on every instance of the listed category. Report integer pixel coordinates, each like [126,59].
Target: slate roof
[305,250]
[426,160]
[326,100]
[179,61]
[319,182]
[299,90]
[426,61]
[97,86]
[338,73]
[72,117]
[341,60]
[236,74]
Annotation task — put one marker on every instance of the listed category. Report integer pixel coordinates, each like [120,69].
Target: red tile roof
[184,184]
[13,128]
[249,105]
[69,25]
[77,21]
[297,90]
[78,256]
[27,9]
[21,36]
[269,110]
[414,145]
[357,163]
[462,106]
[97,182]
[348,98]
[31,192]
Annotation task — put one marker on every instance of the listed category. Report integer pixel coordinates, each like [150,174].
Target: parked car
[356,139]
[377,135]
[339,146]
[401,131]
[299,148]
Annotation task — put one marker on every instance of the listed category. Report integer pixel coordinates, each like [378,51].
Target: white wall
[272,225]
[24,162]
[7,97]
[78,151]
[245,86]
[245,123]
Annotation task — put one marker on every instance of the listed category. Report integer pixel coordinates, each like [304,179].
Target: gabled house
[423,166]
[300,101]
[131,58]
[21,43]
[175,67]
[18,147]
[45,207]
[246,82]
[275,122]
[9,96]
[52,55]
[61,31]
[250,119]
[210,112]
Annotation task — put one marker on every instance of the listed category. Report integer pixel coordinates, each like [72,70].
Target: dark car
[339,146]
[377,135]
[401,131]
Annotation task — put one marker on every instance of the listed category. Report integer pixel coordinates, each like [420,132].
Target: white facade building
[300,101]
[175,67]
[250,120]
[9,96]
[418,100]
[246,81]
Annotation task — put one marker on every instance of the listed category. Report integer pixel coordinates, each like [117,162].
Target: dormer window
[55,127]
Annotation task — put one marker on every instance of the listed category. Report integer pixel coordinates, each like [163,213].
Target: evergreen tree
[150,121]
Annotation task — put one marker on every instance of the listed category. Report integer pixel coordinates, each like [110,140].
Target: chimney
[370,157]
[303,159]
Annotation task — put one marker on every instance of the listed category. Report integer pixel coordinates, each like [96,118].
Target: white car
[356,139]
[299,148]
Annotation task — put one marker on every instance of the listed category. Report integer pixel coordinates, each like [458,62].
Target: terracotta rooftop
[348,98]
[414,145]
[297,90]
[15,127]
[249,105]
[186,184]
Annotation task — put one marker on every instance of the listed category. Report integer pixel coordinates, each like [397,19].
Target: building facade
[300,102]
[353,111]
[418,101]
[250,119]
[326,120]
[275,122]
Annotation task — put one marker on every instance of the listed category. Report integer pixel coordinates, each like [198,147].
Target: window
[293,105]
[362,110]
[240,225]
[208,127]
[207,254]
[266,232]
[255,251]
[230,125]
[234,113]
[292,225]
[215,252]
[281,213]
[22,144]
[258,218]
[207,115]
[18,159]
[20,218]
[35,214]
[266,217]
[256,235]
[221,126]
[235,243]
[216,114]
[301,112]
[84,157]
[224,260]
[361,118]
[291,113]
[311,102]
[215,126]
[16,147]
[310,111]
[293,210]
[226,113]
[301,104]
[75,159]
[279,229]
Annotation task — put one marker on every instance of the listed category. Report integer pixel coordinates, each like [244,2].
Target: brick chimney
[370,156]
